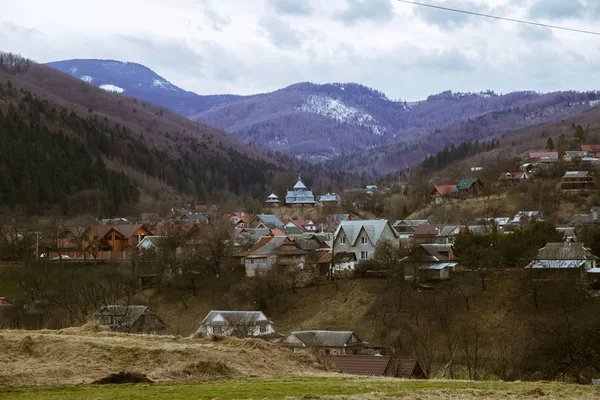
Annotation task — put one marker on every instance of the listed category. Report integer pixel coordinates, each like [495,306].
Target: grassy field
[312,387]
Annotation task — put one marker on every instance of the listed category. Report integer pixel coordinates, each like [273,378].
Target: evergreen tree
[550,144]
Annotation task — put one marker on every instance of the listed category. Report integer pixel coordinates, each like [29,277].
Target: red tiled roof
[539,154]
[591,148]
[444,190]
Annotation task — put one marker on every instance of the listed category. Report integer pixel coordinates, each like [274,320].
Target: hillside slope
[486,127]
[157,148]
[82,355]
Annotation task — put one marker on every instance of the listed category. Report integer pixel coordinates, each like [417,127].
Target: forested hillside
[87,148]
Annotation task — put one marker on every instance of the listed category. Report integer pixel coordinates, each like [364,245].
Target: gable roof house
[113,241]
[564,259]
[239,219]
[443,193]
[513,177]
[237,323]
[299,226]
[265,221]
[324,342]
[131,319]
[539,155]
[300,195]
[361,237]
[330,198]
[523,218]
[270,251]
[378,365]
[577,181]
[150,243]
[590,148]
[431,262]
[573,156]
[470,186]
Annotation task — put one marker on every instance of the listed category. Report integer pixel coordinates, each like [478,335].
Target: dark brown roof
[361,364]
[406,368]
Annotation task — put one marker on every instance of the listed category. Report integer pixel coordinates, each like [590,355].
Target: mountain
[136,80]
[495,125]
[66,142]
[349,126]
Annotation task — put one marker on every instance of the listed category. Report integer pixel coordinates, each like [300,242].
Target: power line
[520,21]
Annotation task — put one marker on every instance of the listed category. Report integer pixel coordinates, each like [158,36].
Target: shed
[378,366]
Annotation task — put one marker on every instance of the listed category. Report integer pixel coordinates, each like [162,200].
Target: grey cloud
[291,7]
[557,9]
[444,61]
[216,20]
[535,33]
[446,19]
[366,10]
[168,53]
[280,33]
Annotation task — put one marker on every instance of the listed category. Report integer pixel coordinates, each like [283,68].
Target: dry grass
[82,355]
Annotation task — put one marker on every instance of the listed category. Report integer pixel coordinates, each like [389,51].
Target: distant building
[370,189]
[539,155]
[443,193]
[237,323]
[361,237]
[130,319]
[324,342]
[273,201]
[563,259]
[300,195]
[329,198]
[470,186]
[378,365]
[240,219]
[265,221]
[577,181]
[513,177]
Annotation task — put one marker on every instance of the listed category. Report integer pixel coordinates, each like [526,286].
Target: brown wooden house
[131,319]
[378,366]
[113,241]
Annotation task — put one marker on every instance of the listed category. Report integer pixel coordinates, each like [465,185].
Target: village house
[378,365]
[582,219]
[193,216]
[339,262]
[239,219]
[265,221]
[571,157]
[299,226]
[431,262]
[370,189]
[329,198]
[470,187]
[511,178]
[577,181]
[324,342]
[300,195]
[563,260]
[539,155]
[361,237]
[523,218]
[272,201]
[269,252]
[237,323]
[113,241]
[591,149]
[405,228]
[444,193]
[130,319]
[150,243]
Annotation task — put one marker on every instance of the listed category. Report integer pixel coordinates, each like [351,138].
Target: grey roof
[330,197]
[270,220]
[273,198]
[300,196]
[524,215]
[437,250]
[576,174]
[373,228]
[125,315]
[154,241]
[299,184]
[411,222]
[556,264]
[235,318]
[564,251]
[326,338]
[195,217]
[253,234]
[439,266]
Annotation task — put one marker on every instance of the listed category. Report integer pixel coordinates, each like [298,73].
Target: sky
[254,46]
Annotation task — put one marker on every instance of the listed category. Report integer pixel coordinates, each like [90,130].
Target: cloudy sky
[250,46]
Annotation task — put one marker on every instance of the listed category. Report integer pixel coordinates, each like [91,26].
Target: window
[327,351]
[364,255]
[342,239]
[263,329]
[217,329]
[363,240]
[294,258]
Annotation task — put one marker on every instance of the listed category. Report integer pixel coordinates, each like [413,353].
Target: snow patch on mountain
[112,88]
[86,78]
[160,83]
[335,109]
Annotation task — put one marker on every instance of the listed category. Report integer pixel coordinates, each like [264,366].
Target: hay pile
[86,354]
